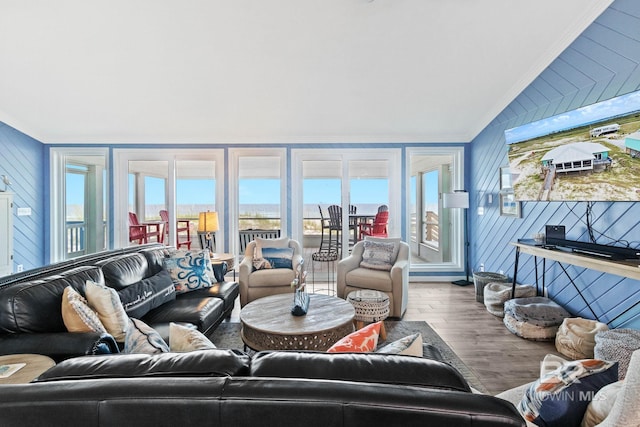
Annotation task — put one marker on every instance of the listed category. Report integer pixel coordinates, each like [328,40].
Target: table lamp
[459,199]
[207,224]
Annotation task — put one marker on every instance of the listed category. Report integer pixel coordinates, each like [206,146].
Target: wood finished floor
[500,359]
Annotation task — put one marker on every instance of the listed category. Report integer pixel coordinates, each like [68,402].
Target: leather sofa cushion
[141,297]
[367,278]
[213,363]
[370,367]
[122,271]
[155,258]
[201,312]
[36,306]
[246,402]
[228,291]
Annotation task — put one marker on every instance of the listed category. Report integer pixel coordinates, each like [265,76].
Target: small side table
[35,365]
[371,306]
[220,257]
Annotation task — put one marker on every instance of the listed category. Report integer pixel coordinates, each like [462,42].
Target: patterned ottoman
[496,293]
[617,345]
[534,318]
[370,306]
[576,337]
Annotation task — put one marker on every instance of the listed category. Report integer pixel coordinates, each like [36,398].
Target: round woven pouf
[370,306]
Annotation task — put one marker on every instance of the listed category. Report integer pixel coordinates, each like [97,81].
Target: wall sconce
[207,224]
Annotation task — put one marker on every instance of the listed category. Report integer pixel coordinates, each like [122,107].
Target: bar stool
[330,257]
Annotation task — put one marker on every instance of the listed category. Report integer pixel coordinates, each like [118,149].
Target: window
[360,179]
[436,234]
[182,182]
[259,193]
[78,202]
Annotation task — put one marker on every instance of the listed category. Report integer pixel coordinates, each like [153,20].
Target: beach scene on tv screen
[588,154]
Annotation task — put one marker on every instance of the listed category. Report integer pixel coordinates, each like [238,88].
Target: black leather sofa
[224,387]
[30,302]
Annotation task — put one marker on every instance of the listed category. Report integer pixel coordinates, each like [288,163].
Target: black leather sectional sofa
[30,302]
[223,387]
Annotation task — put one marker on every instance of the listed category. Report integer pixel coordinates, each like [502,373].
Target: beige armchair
[395,283]
[264,282]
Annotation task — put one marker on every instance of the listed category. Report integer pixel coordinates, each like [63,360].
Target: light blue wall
[602,63]
[22,160]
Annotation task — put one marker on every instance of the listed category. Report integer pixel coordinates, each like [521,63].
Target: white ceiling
[205,71]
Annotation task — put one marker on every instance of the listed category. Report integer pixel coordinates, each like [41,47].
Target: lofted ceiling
[280,71]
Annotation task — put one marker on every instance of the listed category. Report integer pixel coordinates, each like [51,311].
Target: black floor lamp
[459,199]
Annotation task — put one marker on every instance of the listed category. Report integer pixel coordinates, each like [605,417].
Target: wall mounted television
[588,154]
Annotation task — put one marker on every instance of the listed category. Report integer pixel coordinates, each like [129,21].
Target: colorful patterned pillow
[275,248]
[364,340]
[410,346]
[189,270]
[77,315]
[278,257]
[106,302]
[141,338]
[184,338]
[377,255]
[560,398]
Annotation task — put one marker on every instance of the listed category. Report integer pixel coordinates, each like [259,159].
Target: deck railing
[76,238]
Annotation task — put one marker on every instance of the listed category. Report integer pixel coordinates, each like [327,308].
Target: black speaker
[554,232]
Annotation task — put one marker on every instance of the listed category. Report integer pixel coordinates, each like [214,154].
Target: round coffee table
[34,366]
[267,323]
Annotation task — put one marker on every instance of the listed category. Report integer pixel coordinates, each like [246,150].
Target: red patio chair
[181,225]
[376,229]
[137,231]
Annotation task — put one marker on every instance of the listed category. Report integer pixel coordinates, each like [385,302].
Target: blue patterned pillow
[189,270]
[141,338]
[278,257]
[560,397]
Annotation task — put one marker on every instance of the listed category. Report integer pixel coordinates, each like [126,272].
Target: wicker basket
[483,278]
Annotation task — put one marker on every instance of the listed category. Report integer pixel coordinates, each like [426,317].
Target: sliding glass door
[78,202]
[354,182]
[166,191]
[435,233]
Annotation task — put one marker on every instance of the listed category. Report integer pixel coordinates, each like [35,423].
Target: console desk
[629,269]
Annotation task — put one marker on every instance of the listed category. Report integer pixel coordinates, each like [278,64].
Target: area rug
[227,335]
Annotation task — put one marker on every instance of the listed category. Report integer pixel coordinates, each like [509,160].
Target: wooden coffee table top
[36,364]
[267,323]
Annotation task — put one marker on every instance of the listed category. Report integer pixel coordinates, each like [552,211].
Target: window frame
[234,187]
[123,156]
[457,178]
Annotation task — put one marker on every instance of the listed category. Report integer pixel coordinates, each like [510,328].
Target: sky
[569,120]
[265,191]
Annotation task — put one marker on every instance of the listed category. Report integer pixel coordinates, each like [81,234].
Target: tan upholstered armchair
[395,283]
[260,283]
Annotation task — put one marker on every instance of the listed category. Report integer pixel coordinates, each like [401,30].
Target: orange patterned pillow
[361,341]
